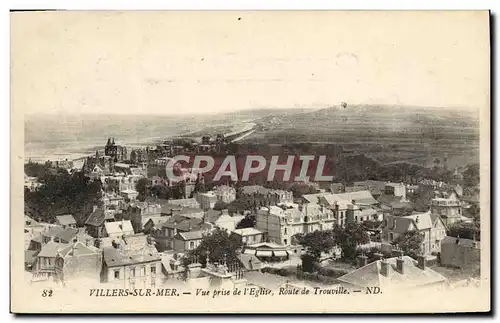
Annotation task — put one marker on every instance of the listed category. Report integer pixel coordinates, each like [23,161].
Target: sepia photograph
[250,162]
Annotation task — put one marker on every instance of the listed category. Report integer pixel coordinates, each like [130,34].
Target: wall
[144,279]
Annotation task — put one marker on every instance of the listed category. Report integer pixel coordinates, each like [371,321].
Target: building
[206,200]
[116,152]
[187,241]
[78,260]
[188,202]
[131,269]
[118,229]
[448,207]
[177,223]
[400,273]
[395,189]
[221,219]
[336,188]
[140,212]
[428,224]
[225,193]
[261,196]
[130,195]
[66,221]
[461,253]
[249,235]
[45,263]
[60,235]
[96,220]
[280,223]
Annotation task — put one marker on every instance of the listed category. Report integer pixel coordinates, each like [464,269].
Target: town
[115,218]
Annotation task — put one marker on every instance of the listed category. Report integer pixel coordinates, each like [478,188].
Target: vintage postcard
[250,162]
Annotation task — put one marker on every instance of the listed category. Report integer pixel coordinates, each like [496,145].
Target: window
[132,272]
[153,283]
[191,244]
[132,285]
[356,218]
[143,271]
[153,269]
[117,274]
[285,231]
[459,211]
[285,241]
[391,236]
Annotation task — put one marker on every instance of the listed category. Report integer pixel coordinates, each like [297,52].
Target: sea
[60,137]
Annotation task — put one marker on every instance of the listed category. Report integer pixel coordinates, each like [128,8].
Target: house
[96,220]
[122,269]
[428,224]
[118,228]
[140,212]
[78,260]
[129,194]
[68,235]
[401,273]
[46,258]
[395,205]
[225,193]
[448,207]
[186,211]
[188,202]
[259,195]
[280,223]
[249,235]
[66,221]
[395,189]
[177,223]
[461,253]
[336,188]
[206,200]
[221,219]
[187,241]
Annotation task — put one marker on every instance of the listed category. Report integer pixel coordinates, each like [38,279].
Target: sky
[199,62]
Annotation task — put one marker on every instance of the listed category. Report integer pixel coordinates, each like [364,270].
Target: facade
[96,220]
[122,269]
[206,200]
[249,235]
[177,224]
[187,241]
[116,152]
[188,202]
[46,258]
[428,224]
[448,207]
[140,212]
[395,189]
[225,193]
[78,260]
[130,195]
[221,219]
[280,223]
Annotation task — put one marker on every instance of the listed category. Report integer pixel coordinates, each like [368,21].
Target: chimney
[421,262]
[400,264]
[385,268]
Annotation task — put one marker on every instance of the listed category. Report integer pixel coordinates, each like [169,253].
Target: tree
[219,206]
[465,230]
[161,191]
[317,242]
[349,238]
[471,175]
[142,188]
[62,193]
[410,243]
[219,244]
[308,262]
[247,222]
